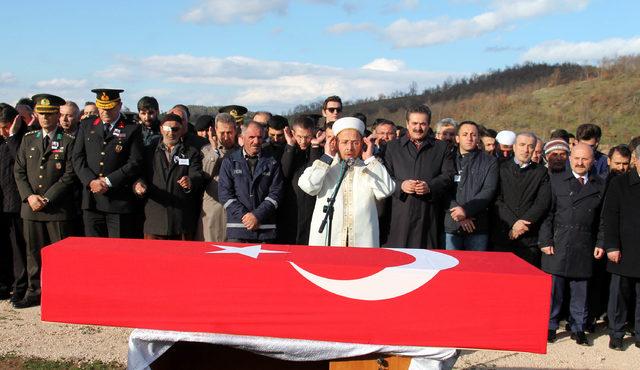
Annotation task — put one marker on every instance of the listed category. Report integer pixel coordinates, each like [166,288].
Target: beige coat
[213,220]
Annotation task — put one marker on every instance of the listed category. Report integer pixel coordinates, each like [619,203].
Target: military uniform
[112,152]
[43,167]
[237,112]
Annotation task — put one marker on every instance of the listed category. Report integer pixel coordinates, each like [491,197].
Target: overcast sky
[275,54]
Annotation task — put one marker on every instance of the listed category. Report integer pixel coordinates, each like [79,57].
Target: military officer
[237,112]
[45,179]
[107,159]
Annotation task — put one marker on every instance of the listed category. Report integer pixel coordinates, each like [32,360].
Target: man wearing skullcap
[45,179]
[203,124]
[171,178]
[505,140]
[364,180]
[556,153]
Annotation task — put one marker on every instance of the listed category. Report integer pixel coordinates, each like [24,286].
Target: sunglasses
[334,110]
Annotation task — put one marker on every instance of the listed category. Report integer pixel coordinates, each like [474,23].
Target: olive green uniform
[46,171]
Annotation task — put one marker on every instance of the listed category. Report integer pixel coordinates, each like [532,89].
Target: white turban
[347,123]
[506,137]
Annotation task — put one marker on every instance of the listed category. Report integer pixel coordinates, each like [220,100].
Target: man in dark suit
[45,180]
[250,188]
[294,216]
[107,158]
[172,176]
[569,236]
[522,203]
[276,136]
[466,220]
[423,170]
[621,224]
[13,274]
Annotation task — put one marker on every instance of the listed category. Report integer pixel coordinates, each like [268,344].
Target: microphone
[328,209]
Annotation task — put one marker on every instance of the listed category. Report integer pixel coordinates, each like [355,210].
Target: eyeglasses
[334,110]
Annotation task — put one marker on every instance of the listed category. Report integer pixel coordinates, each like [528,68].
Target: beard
[556,166]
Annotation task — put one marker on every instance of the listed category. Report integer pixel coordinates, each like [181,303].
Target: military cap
[107,98]
[277,122]
[236,111]
[204,122]
[47,103]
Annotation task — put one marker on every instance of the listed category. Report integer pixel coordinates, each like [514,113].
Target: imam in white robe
[355,218]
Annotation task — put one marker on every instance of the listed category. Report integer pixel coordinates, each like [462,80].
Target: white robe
[355,218]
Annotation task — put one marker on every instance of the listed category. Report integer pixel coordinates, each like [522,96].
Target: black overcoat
[572,225]
[168,206]
[524,194]
[414,218]
[622,223]
[294,216]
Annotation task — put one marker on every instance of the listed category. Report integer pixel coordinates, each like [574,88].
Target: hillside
[535,97]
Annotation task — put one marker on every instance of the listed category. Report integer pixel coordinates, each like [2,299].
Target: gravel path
[23,334]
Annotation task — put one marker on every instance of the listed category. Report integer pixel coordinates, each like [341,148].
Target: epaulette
[31,132]
[69,135]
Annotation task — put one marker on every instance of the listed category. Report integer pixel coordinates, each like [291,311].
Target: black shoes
[4,295]
[616,343]
[16,297]
[581,338]
[551,336]
[28,301]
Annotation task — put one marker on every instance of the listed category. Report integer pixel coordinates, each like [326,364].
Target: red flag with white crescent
[411,297]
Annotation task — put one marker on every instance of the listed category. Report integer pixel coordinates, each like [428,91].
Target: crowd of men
[324,179]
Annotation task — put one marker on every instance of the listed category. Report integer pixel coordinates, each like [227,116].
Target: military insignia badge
[58,166]
[118,148]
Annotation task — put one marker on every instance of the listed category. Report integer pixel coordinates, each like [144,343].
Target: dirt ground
[23,334]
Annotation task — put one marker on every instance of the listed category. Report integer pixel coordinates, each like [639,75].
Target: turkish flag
[408,297]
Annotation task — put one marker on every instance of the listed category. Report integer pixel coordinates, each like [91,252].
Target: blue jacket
[241,193]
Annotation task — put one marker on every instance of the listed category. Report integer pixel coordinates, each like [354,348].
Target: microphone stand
[329,208]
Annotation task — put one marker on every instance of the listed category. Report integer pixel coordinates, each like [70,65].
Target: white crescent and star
[252,251]
[390,282]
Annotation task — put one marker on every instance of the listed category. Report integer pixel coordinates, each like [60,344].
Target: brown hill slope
[536,98]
